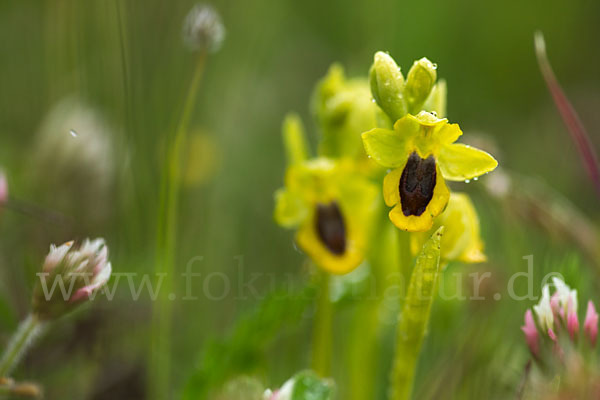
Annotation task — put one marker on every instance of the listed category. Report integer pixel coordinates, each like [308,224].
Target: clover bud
[3,189]
[419,83]
[531,334]
[590,325]
[203,29]
[387,86]
[544,310]
[70,275]
[572,323]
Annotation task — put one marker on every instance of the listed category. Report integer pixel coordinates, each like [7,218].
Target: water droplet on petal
[434,65]
[467,180]
[73,133]
[476,178]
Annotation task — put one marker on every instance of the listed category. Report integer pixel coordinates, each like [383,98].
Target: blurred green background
[125,61]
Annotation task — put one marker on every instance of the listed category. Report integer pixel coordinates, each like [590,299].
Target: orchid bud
[387,86]
[3,189]
[419,83]
[590,325]
[70,275]
[531,334]
[203,29]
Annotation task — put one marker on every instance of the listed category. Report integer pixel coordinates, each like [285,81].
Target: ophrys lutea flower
[421,153]
[332,206]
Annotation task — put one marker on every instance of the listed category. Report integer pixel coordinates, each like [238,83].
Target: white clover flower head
[203,29]
[567,297]
[80,271]
[544,310]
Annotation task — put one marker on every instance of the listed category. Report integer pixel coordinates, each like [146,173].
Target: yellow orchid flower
[344,109]
[422,153]
[461,240]
[332,206]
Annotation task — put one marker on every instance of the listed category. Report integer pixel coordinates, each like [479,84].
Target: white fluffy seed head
[203,29]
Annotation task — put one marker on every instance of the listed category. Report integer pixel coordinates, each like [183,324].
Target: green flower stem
[405,259]
[364,351]
[19,343]
[365,348]
[413,321]
[160,365]
[323,328]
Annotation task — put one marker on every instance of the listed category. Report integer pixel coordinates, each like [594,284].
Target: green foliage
[242,351]
[308,386]
[415,317]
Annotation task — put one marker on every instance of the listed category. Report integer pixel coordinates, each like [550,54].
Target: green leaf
[242,351]
[415,317]
[308,386]
[242,388]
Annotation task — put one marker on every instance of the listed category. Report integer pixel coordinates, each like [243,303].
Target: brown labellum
[330,227]
[416,184]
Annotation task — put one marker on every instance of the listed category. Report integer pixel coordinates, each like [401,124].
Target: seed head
[203,29]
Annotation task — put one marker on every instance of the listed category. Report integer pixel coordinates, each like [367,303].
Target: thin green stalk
[323,328]
[365,332]
[414,319]
[19,343]
[406,258]
[363,351]
[160,365]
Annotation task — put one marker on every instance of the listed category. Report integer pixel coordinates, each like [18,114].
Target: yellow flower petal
[385,146]
[391,194]
[427,119]
[448,133]
[459,162]
[294,139]
[461,241]
[309,241]
[290,210]
[412,223]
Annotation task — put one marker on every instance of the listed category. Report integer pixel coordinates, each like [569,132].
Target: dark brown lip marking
[416,184]
[330,227]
